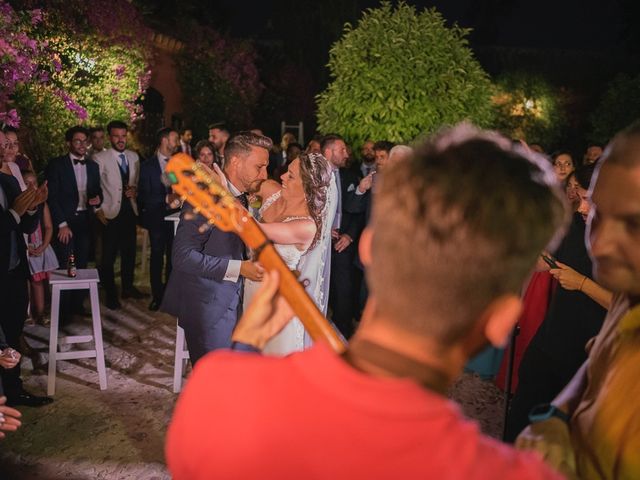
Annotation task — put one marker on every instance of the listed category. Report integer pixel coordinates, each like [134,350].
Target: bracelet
[582,284]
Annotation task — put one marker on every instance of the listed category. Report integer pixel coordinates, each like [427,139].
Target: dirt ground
[119,433]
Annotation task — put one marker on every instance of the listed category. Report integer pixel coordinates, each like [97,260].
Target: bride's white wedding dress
[291,338]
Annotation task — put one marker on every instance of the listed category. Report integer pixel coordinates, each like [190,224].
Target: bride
[291,216]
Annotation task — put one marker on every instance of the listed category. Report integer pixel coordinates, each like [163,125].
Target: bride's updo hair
[316,178]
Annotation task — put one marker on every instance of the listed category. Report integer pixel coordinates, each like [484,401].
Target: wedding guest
[205,153]
[186,135]
[13,150]
[9,157]
[380,410]
[97,141]
[592,154]
[119,173]
[563,164]
[314,144]
[575,315]
[75,196]
[154,201]
[591,428]
[218,136]
[42,258]
[17,217]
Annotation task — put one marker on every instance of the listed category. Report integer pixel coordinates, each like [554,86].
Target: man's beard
[254,187]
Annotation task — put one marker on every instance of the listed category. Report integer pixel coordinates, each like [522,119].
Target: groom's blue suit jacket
[205,304]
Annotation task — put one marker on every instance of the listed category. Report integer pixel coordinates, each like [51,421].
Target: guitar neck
[290,288]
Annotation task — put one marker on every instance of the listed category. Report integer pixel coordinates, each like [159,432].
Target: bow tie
[79,161]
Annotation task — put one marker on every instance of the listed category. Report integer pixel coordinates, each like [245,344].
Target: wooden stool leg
[97,336]
[53,339]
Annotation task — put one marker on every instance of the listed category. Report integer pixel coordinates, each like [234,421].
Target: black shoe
[154,306]
[133,292]
[29,400]
[113,304]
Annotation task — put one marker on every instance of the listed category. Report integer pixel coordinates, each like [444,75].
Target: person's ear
[501,316]
[364,247]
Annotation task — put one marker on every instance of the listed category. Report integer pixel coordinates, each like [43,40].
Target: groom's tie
[242,198]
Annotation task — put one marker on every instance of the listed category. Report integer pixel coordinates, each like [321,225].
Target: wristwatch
[545,411]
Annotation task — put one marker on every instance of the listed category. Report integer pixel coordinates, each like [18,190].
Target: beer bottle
[71,265]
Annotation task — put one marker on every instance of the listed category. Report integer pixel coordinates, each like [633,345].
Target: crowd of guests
[457,226]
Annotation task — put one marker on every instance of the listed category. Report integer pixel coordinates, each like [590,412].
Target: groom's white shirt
[233,267]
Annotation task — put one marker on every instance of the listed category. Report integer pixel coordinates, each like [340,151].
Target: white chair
[181,352]
[181,357]
[86,279]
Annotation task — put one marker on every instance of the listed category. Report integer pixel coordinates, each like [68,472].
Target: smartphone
[549,260]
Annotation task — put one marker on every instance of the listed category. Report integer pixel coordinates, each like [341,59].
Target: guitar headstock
[199,186]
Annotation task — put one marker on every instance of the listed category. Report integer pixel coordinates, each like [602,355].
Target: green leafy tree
[400,73]
[528,107]
[98,68]
[618,108]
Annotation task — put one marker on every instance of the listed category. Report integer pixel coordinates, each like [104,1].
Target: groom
[205,287]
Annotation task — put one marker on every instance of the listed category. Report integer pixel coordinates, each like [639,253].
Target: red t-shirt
[312,416]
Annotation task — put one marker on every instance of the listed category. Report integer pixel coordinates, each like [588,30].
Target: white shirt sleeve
[233,271]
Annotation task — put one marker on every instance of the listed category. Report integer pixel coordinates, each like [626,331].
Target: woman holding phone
[575,314]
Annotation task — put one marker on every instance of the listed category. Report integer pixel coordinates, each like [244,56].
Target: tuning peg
[189,216]
[168,179]
[204,227]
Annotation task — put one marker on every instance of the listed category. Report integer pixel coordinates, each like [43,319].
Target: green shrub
[527,107]
[400,73]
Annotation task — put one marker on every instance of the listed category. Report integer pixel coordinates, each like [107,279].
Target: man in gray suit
[205,287]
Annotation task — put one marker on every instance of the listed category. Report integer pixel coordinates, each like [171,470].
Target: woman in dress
[291,216]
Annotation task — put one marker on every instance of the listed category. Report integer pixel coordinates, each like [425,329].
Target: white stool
[181,357]
[85,279]
[182,354]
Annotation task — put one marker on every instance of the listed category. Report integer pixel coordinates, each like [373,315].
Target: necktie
[338,218]
[14,258]
[124,165]
[242,198]
[80,161]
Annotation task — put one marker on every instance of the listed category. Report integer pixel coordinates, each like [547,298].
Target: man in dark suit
[17,216]
[205,287]
[154,200]
[74,195]
[186,135]
[345,277]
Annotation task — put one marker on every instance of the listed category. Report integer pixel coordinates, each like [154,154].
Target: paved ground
[119,433]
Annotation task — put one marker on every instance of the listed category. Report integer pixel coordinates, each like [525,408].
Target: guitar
[197,185]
